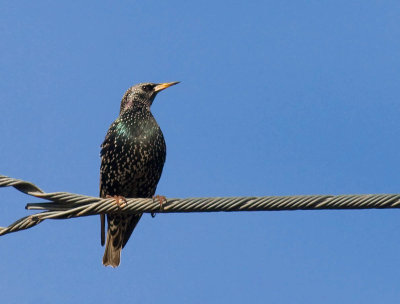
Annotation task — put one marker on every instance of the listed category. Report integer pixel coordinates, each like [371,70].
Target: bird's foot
[161,199]
[119,200]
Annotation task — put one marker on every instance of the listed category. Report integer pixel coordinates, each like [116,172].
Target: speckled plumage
[132,159]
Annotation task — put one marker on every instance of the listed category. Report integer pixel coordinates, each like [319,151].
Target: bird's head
[142,94]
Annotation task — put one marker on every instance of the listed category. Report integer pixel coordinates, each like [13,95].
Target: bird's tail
[120,228]
[112,253]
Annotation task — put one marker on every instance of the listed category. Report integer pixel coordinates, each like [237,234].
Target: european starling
[132,159]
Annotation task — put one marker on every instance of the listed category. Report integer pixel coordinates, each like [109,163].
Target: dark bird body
[132,159]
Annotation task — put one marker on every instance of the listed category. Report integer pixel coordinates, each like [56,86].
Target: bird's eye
[147,87]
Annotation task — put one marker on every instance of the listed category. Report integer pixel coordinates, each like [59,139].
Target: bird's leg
[161,199]
[118,199]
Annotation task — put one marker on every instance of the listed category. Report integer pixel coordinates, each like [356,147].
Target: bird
[132,155]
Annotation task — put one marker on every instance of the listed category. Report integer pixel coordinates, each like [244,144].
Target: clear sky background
[277,98]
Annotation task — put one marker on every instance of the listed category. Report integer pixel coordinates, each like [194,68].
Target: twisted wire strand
[64,205]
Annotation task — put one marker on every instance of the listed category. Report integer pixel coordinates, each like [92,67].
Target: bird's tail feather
[112,253]
[120,228]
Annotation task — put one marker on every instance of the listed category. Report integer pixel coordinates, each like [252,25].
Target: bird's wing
[110,149]
[107,180]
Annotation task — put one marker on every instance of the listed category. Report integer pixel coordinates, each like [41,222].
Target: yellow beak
[163,86]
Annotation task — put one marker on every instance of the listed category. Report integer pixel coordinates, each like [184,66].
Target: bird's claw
[161,199]
[118,199]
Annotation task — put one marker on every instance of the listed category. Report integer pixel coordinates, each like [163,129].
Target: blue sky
[277,98]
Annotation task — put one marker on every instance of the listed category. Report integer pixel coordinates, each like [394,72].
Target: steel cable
[64,205]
